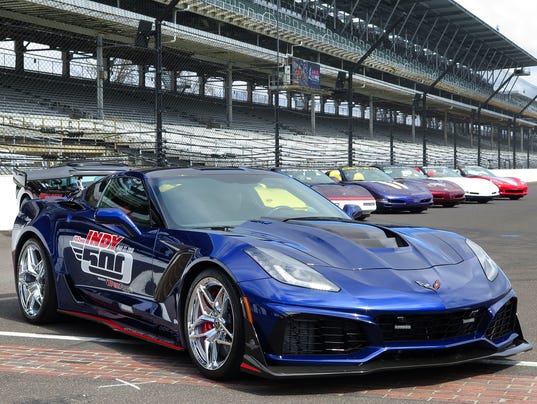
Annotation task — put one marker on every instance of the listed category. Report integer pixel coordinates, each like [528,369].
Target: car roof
[200,171]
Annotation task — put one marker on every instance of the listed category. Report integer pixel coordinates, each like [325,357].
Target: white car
[475,189]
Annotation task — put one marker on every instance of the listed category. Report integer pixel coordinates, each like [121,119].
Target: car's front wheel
[35,283]
[213,325]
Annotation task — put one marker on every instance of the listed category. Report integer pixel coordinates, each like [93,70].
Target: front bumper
[253,365]
[436,340]
[394,203]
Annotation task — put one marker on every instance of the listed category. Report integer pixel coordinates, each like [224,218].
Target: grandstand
[427,82]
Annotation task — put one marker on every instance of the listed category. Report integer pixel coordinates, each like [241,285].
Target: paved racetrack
[80,362]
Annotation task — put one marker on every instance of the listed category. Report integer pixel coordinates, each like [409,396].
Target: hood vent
[364,235]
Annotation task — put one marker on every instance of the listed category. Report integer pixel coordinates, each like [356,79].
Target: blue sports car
[250,270]
[389,194]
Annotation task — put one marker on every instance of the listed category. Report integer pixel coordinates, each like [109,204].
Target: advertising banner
[305,73]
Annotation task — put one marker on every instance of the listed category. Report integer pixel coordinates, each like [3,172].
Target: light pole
[517,72]
[141,40]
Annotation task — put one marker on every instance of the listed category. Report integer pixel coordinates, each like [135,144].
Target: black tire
[34,280]
[216,342]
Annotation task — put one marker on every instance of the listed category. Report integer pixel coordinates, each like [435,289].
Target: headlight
[490,268]
[289,270]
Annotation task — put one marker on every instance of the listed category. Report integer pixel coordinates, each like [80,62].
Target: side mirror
[117,217]
[353,211]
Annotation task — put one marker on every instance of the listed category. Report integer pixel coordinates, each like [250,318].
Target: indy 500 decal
[100,254]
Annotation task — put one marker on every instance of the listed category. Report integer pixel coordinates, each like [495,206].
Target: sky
[515,19]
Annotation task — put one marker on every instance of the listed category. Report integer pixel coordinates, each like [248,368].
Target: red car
[510,187]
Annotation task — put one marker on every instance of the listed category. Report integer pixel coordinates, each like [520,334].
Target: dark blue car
[250,270]
[389,194]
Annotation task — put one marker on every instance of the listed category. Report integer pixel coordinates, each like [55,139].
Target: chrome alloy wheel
[32,279]
[209,320]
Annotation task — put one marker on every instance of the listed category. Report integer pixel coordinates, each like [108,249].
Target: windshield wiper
[219,227]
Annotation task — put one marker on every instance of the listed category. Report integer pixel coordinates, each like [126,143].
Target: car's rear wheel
[35,284]
[213,325]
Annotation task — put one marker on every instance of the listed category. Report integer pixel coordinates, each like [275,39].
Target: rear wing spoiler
[20,178]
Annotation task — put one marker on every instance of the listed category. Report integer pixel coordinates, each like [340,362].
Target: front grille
[504,321]
[429,327]
[313,335]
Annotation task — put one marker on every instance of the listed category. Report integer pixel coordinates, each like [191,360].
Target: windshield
[228,198]
[365,174]
[404,172]
[441,172]
[308,176]
[476,170]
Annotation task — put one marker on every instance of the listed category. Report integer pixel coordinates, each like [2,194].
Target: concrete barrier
[8,203]
[9,209]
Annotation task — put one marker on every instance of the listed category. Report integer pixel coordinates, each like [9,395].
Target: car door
[108,265]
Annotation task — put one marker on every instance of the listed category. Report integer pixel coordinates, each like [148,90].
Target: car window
[94,192]
[129,195]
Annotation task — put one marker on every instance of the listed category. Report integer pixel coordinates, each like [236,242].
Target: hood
[431,184]
[352,245]
[473,184]
[498,181]
[393,188]
[378,267]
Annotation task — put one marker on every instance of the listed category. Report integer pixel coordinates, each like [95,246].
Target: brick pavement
[177,370]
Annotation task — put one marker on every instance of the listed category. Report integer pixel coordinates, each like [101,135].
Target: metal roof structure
[444,25]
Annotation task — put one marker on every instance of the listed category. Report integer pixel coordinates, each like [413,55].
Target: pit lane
[77,361]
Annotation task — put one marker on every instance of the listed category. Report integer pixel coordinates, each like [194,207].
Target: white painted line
[124,383]
[68,338]
[510,362]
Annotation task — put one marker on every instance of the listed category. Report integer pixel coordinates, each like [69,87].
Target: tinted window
[129,195]
[94,192]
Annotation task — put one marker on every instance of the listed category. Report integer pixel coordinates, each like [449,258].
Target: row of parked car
[407,188]
[379,188]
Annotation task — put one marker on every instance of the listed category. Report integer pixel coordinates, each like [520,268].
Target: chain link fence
[61,100]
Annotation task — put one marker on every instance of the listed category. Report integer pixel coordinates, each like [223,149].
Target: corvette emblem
[435,286]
